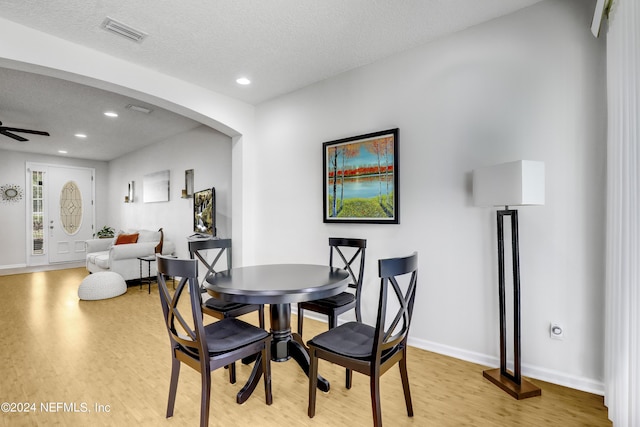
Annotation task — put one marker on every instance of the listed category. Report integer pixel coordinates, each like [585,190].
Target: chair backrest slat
[222,245]
[340,245]
[181,332]
[395,332]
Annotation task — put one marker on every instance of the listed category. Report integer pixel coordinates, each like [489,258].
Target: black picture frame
[204,211]
[361,179]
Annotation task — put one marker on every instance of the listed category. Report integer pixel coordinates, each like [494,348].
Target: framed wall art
[156,187]
[360,182]
[204,212]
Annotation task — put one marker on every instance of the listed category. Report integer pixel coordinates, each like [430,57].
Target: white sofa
[105,255]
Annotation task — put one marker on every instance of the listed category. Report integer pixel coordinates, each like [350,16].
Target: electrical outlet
[556,331]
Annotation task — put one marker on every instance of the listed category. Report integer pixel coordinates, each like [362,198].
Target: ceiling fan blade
[35,132]
[11,135]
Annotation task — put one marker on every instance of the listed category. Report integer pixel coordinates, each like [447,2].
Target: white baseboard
[543,374]
[10,267]
[6,270]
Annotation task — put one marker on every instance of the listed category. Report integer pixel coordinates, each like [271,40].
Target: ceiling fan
[7,131]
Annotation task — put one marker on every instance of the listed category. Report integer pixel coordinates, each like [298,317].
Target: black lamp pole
[512,383]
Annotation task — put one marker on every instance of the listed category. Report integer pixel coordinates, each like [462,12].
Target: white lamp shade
[518,183]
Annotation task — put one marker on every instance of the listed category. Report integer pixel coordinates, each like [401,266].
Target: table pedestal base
[300,354]
[285,345]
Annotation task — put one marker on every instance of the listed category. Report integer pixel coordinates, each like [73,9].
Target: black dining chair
[204,348]
[373,350]
[352,254]
[213,306]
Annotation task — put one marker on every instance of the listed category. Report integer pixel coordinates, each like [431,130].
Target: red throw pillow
[124,239]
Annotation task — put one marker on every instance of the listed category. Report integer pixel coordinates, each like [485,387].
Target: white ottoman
[102,285]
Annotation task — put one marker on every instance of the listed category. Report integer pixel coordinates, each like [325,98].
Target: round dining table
[278,285]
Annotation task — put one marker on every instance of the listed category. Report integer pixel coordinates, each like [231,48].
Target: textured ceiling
[281,45]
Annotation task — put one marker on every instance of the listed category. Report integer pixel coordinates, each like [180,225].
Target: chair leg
[266,371]
[205,398]
[173,386]
[349,377]
[300,319]
[313,381]
[261,316]
[405,382]
[333,321]
[375,399]
[232,372]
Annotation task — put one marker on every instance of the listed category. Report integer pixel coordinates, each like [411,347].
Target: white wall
[13,225]
[526,86]
[204,150]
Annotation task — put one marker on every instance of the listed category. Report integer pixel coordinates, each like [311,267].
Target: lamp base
[522,391]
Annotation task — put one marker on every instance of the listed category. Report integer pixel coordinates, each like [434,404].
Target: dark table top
[277,283]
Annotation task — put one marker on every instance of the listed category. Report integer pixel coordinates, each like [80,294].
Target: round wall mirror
[10,193]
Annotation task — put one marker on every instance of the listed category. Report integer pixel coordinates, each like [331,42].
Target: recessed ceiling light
[80,135]
[62,152]
[110,114]
[243,81]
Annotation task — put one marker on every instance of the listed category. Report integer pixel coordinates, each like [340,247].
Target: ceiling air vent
[139,109]
[123,30]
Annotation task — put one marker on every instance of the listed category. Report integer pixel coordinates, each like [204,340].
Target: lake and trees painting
[361,178]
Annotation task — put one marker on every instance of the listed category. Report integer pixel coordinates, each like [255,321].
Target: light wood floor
[58,350]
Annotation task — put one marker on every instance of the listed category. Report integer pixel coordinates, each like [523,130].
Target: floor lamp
[519,183]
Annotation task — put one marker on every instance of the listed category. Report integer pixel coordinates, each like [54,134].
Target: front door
[70,212]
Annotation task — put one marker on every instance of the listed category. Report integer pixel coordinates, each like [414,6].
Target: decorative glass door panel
[37,213]
[70,208]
